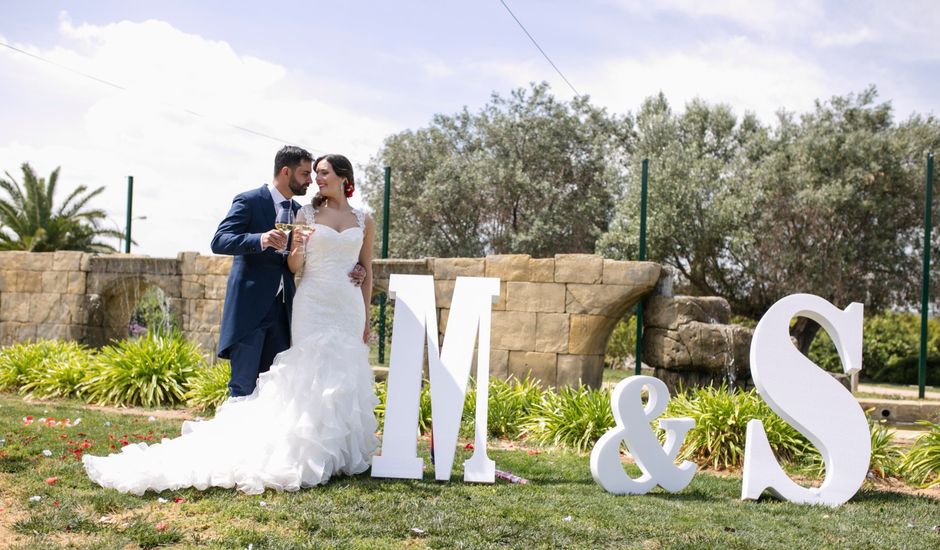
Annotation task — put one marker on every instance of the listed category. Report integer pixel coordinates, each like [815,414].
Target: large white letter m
[414,328]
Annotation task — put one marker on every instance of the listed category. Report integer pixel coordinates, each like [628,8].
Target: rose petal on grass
[179,500]
[160,526]
[52,480]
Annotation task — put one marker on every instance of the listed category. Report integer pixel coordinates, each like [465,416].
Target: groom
[260,291]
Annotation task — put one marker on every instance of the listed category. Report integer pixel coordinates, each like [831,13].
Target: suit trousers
[254,353]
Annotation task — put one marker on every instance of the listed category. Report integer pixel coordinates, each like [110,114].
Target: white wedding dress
[310,416]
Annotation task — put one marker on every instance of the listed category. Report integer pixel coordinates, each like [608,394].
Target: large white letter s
[810,400]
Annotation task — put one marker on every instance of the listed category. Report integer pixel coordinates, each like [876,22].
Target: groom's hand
[357,275]
[275,239]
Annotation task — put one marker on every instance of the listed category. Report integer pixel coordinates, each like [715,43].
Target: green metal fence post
[383,297]
[639,306]
[925,289]
[130,204]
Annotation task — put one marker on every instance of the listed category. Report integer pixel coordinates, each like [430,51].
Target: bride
[311,415]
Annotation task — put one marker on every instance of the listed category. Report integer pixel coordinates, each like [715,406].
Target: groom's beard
[297,187]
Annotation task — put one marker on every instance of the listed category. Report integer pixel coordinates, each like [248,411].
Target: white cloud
[768,16]
[734,71]
[844,39]
[186,167]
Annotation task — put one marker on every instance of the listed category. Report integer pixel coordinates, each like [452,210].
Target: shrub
[721,418]
[424,406]
[921,464]
[150,371]
[622,343]
[64,366]
[573,417]
[509,403]
[46,368]
[207,388]
[891,342]
[886,455]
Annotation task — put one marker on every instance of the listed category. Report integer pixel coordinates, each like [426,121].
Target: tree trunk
[804,332]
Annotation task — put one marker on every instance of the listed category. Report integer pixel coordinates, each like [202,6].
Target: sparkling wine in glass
[285,222]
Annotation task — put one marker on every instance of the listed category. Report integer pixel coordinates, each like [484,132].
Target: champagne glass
[285,222]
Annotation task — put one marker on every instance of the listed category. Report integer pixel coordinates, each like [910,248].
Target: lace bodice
[325,292]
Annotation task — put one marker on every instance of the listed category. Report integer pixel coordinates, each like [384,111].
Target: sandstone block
[7,281]
[55,282]
[67,260]
[546,297]
[14,306]
[187,262]
[451,268]
[663,349]
[589,334]
[579,268]
[551,332]
[574,370]
[13,260]
[644,274]
[60,332]
[28,281]
[670,312]
[76,282]
[532,364]
[499,363]
[513,330]
[443,293]
[37,261]
[193,291]
[214,286]
[711,347]
[609,300]
[500,304]
[542,270]
[508,267]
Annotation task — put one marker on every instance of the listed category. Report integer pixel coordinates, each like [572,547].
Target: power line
[124,89]
[545,55]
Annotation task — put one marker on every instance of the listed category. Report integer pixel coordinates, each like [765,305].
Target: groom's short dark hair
[290,156]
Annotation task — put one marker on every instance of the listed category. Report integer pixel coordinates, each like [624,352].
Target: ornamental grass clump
[721,416]
[45,368]
[921,464]
[572,417]
[509,403]
[149,371]
[207,388]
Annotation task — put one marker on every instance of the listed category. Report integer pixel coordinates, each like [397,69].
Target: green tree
[830,203]
[30,221]
[526,174]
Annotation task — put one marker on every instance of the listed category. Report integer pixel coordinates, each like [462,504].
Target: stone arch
[115,287]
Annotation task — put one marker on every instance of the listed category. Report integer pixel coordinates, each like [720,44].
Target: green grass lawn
[560,507]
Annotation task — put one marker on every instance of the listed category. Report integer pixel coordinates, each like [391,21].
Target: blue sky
[342,76]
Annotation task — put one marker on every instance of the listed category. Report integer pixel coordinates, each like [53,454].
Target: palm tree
[29,221]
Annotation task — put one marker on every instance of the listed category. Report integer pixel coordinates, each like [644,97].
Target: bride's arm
[365,260]
[295,261]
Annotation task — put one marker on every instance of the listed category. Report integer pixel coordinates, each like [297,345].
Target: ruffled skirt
[310,416]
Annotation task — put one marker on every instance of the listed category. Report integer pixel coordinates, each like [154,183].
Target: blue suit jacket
[256,273]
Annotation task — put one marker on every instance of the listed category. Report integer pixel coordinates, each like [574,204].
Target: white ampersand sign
[633,427]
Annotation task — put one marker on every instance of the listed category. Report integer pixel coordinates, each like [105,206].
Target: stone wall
[552,320]
[689,341]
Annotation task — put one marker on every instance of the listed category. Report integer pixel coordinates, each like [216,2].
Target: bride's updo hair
[342,168]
